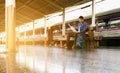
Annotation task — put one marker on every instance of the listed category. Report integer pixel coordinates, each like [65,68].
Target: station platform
[39,59]
[34,34]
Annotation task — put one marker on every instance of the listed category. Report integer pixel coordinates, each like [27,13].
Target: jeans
[80,41]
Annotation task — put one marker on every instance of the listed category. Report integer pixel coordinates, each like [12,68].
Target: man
[79,34]
[82,28]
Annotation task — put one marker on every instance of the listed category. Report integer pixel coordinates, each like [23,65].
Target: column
[10,35]
[33,41]
[10,25]
[45,31]
[63,25]
[93,12]
[93,22]
[25,35]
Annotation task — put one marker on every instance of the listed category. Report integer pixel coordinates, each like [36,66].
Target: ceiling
[28,10]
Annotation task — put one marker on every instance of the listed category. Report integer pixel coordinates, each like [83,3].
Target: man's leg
[83,46]
[80,42]
[74,42]
[68,41]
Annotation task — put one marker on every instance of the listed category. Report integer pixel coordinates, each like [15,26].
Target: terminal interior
[33,36]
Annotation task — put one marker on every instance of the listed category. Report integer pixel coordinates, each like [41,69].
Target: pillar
[33,41]
[10,35]
[63,25]
[93,12]
[25,35]
[10,25]
[45,31]
[93,22]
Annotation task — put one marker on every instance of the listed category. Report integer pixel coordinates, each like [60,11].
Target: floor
[38,59]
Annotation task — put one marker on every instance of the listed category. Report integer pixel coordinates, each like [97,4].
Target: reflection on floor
[38,59]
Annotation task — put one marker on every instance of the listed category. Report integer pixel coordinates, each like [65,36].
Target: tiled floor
[18,69]
[38,59]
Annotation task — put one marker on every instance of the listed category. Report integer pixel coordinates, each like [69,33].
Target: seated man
[82,28]
[79,34]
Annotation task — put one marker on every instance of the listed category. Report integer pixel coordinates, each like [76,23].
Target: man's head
[81,19]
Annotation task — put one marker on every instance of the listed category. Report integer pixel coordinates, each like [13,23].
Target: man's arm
[72,28]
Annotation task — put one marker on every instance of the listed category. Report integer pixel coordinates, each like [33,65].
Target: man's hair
[81,17]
